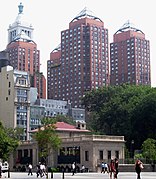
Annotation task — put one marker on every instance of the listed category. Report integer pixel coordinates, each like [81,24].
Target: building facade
[60,107]
[53,107]
[78,114]
[37,113]
[23,52]
[130,57]
[15,100]
[77,145]
[81,62]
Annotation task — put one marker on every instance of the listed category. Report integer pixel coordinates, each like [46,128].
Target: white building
[53,107]
[20,25]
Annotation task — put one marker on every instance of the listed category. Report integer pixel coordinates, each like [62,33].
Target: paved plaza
[122,175]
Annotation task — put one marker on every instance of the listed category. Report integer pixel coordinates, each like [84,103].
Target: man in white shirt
[73,168]
[30,169]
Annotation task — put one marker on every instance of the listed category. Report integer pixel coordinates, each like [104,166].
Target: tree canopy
[149,149]
[8,141]
[127,110]
[47,138]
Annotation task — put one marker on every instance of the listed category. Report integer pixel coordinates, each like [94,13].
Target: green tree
[8,143]
[149,149]
[144,118]
[47,138]
[15,133]
[123,110]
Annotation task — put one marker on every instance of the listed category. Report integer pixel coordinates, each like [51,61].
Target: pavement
[90,175]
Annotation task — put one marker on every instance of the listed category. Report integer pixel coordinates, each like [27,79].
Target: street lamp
[132,148]
[76,153]
[75,150]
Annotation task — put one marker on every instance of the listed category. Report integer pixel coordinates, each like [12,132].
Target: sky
[50,17]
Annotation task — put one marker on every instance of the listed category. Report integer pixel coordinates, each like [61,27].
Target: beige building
[78,145]
[15,99]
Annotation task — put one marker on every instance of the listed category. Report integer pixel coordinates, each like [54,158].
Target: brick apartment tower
[130,57]
[23,52]
[81,62]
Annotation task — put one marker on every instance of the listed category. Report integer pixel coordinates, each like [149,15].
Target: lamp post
[76,155]
[132,148]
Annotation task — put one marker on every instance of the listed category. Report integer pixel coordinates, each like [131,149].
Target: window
[117,154]
[109,154]
[9,92]
[101,154]
[62,151]
[25,152]
[86,155]
[19,153]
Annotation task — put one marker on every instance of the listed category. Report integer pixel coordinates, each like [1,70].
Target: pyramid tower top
[86,13]
[128,26]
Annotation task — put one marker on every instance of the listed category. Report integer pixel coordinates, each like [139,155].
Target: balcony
[95,138]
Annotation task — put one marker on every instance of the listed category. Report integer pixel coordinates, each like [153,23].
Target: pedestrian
[73,168]
[82,169]
[111,168]
[102,167]
[0,170]
[38,172]
[30,169]
[153,166]
[42,170]
[138,168]
[116,168]
[106,168]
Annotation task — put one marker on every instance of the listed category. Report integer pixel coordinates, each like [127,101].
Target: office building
[78,114]
[23,52]
[81,62]
[130,57]
[53,107]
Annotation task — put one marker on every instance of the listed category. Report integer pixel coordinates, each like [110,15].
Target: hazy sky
[50,17]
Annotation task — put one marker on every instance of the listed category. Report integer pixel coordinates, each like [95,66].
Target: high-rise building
[23,52]
[130,57]
[81,62]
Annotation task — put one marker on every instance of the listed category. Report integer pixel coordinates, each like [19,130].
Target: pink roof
[62,126]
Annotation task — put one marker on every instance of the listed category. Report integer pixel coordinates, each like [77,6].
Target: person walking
[38,172]
[73,168]
[102,167]
[30,169]
[111,168]
[138,168]
[116,168]
[82,169]
[106,168]
[0,170]
[42,169]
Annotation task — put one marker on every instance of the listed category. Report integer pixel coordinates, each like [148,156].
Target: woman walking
[111,169]
[138,168]
[0,170]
